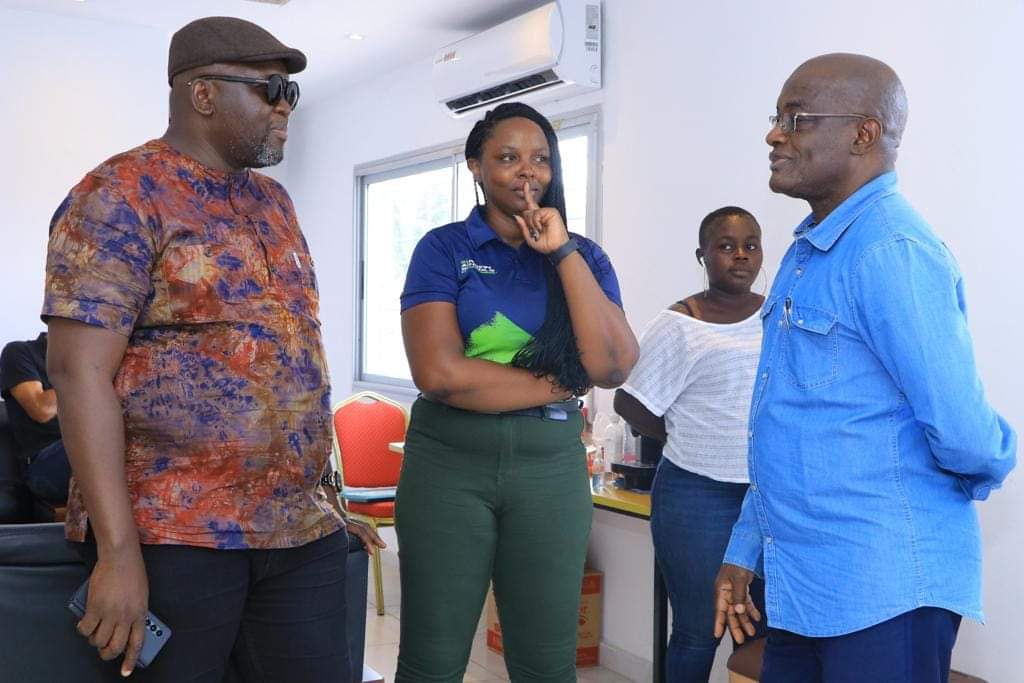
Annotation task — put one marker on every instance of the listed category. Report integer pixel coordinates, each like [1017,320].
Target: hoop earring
[707,285]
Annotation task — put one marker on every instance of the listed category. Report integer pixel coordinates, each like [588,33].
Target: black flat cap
[227,39]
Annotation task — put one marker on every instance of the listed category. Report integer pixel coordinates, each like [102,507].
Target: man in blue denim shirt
[870,436]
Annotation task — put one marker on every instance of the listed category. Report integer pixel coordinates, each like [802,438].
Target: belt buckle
[556,414]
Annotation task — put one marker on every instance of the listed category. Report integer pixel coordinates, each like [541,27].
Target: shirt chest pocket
[811,347]
[295,270]
[210,282]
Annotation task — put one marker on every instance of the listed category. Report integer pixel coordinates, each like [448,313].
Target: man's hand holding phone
[115,615]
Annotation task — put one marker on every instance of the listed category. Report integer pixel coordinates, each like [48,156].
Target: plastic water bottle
[599,437]
[601,422]
[597,465]
[629,447]
[613,436]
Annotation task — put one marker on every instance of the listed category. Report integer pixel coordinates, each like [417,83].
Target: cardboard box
[588,630]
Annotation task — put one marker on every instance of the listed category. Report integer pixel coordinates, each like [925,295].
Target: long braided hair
[552,352]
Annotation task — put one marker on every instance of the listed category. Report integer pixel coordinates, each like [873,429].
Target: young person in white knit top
[691,389]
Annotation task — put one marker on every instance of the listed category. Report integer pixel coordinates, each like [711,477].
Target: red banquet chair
[364,425]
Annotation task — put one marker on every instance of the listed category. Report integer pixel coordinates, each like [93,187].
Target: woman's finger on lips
[531,203]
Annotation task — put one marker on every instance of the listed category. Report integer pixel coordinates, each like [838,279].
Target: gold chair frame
[374,523]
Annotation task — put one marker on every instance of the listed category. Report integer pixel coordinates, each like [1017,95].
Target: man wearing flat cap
[194,398]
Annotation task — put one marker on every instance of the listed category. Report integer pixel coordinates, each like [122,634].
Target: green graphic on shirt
[498,340]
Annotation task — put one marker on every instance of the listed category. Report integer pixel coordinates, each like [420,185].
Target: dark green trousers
[482,498]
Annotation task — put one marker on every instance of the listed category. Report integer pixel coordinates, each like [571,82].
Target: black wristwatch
[559,254]
[332,480]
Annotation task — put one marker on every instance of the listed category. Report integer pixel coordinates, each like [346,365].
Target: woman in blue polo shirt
[507,317]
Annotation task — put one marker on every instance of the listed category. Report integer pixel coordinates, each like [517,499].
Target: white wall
[689,89]
[76,93]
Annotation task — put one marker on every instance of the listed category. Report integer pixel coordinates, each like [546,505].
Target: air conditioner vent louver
[517,87]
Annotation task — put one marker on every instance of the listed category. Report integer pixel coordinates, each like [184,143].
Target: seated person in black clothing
[32,410]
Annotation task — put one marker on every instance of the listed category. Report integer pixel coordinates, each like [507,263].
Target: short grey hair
[892,111]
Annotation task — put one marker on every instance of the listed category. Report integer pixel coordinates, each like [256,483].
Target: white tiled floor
[484,666]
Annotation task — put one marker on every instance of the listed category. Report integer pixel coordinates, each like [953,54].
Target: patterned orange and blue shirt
[223,384]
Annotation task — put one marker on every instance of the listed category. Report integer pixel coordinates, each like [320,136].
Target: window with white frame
[399,200]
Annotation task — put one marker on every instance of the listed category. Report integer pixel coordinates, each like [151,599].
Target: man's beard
[267,154]
[257,153]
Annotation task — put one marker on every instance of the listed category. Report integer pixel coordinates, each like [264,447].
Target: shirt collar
[825,234]
[198,169]
[479,232]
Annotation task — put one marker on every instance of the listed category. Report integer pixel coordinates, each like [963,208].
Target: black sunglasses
[277,86]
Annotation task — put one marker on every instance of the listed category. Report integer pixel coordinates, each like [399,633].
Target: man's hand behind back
[733,604]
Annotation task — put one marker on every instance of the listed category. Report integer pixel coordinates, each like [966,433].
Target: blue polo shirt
[500,293]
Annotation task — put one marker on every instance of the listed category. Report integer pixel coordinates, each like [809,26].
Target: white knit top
[700,377]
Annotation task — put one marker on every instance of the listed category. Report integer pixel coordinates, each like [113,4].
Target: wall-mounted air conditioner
[549,53]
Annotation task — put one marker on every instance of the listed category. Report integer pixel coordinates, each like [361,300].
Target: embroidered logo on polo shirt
[470,264]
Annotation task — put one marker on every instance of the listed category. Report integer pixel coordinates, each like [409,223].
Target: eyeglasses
[787,123]
[277,86]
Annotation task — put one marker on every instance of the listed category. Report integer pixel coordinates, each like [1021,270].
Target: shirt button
[764,375]
[768,539]
[753,487]
[799,271]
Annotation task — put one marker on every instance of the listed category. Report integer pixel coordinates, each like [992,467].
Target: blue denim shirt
[870,436]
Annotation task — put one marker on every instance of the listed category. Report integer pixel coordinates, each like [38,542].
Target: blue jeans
[914,647]
[48,475]
[691,521]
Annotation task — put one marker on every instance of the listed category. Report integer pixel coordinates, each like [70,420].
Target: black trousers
[49,473]
[248,615]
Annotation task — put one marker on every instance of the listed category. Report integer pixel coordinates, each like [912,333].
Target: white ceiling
[397,31]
